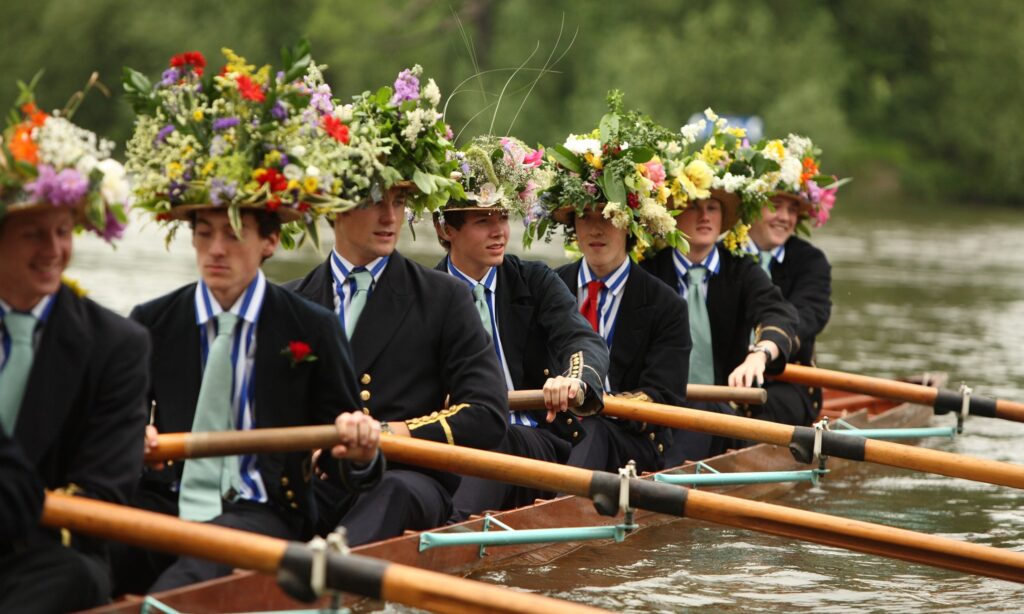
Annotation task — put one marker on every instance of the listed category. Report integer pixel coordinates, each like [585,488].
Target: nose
[389,212]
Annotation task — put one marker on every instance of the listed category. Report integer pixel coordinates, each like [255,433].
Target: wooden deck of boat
[247,591]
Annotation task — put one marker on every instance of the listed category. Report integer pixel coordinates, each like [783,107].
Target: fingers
[358,436]
[558,392]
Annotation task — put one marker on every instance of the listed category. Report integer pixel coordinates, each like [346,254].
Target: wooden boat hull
[249,591]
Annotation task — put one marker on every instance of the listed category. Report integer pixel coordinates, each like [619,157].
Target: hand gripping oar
[801,440]
[604,489]
[292,562]
[942,401]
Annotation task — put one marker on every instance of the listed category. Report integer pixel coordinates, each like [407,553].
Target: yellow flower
[197,115]
[775,150]
[293,184]
[174,170]
[207,169]
[336,186]
[697,177]
[593,160]
[74,286]
[664,192]
[272,158]
[236,63]
[310,184]
[740,133]
[711,154]
[258,173]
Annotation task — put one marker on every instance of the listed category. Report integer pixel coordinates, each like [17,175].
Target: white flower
[343,113]
[312,171]
[432,93]
[114,186]
[85,164]
[711,115]
[691,132]
[619,215]
[790,171]
[292,172]
[656,218]
[298,151]
[729,183]
[581,146]
[799,146]
[671,148]
[487,195]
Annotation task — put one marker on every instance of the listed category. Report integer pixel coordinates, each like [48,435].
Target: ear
[270,244]
[442,230]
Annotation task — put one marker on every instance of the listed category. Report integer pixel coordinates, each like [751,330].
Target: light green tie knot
[766,261]
[205,480]
[363,280]
[14,377]
[702,358]
[480,299]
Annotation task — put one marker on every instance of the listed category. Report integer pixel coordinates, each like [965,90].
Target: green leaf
[235,217]
[567,159]
[426,183]
[383,95]
[615,190]
[609,127]
[640,155]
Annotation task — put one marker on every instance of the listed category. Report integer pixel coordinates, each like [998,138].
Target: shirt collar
[614,282]
[712,262]
[40,311]
[341,268]
[489,281]
[247,307]
[778,254]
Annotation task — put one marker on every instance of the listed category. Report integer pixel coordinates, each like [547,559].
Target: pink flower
[655,172]
[533,160]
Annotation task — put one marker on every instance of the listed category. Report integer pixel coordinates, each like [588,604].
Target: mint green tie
[702,360]
[205,480]
[363,280]
[480,300]
[766,262]
[14,377]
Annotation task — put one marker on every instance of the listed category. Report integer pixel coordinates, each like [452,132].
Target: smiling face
[226,263]
[479,242]
[35,248]
[701,221]
[363,235]
[602,244]
[775,227]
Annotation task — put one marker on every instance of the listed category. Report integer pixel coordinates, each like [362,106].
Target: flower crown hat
[47,161]
[499,173]
[800,179]
[616,170]
[413,144]
[242,139]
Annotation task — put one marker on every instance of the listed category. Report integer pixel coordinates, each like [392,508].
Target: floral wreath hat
[498,173]
[47,161]
[244,138]
[615,169]
[800,179]
[414,144]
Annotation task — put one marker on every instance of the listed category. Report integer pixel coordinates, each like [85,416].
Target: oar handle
[230,443]
[524,400]
[355,574]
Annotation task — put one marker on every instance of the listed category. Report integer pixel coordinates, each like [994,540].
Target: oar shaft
[521,400]
[256,441]
[415,587]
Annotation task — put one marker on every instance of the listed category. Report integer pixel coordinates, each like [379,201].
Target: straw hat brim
[26,206]
[805,207]
[565,215]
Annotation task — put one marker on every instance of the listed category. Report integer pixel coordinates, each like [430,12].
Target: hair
[570,232]
[454,219]
[267,223]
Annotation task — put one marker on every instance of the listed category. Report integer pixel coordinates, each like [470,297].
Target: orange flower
[33,114]
[810,170]
[23,148]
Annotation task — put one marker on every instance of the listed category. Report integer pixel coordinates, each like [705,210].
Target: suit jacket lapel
[630,323]
[55,379]
[177,364]
[382,316]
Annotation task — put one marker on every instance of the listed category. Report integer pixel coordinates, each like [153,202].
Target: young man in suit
[236,352]
[540,339]
[426,367]
[72,374]
[645,327]
[727,297]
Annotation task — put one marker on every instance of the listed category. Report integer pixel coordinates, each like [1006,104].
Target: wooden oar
[800,440]
[942,401]
[603,488]
[291,561]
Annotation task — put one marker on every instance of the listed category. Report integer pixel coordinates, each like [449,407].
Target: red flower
[191,60]
[336,129]
[632,200]
[298,351]
[304,206]
[273,204]
[273,178]
[250,90]
[163,217]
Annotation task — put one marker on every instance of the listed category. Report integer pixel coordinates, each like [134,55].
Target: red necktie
[589,307]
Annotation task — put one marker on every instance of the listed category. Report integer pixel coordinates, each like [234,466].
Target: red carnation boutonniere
[298,352]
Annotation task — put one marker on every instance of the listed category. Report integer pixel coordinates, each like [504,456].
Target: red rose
[250,90]
[336,129]
[299,350]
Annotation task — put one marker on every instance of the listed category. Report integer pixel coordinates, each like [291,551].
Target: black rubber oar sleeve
[832,444]
[352,573]
[947,401]
[643,494]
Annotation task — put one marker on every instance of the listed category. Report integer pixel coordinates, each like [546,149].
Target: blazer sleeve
[580,352]
[812,296]
[108,462]
[477,411]
[770,316]
[21,491]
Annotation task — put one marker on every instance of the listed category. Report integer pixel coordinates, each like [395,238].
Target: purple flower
[113,229]
[284,159]
[67,187]
[589,187]
[280,76]
[224,123]
[321,99]
[465,168]
[163,134]
[407,87]
[170,77]
[222,192]
[176,192]
[278,111]
[448,134]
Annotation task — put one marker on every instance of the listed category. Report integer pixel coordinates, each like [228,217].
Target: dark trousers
[403,500]
[52,578]
[476,495]
[137,570]
[609,446]
[787,404]
[689,445]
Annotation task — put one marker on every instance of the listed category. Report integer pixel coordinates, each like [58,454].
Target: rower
[727,296]
[234,351]
[426,367]
[801,271]
[640,320]
[540,339]
[72,374]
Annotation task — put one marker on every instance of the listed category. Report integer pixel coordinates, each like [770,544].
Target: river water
[915,290]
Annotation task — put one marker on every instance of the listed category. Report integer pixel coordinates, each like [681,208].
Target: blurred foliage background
[917,100]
